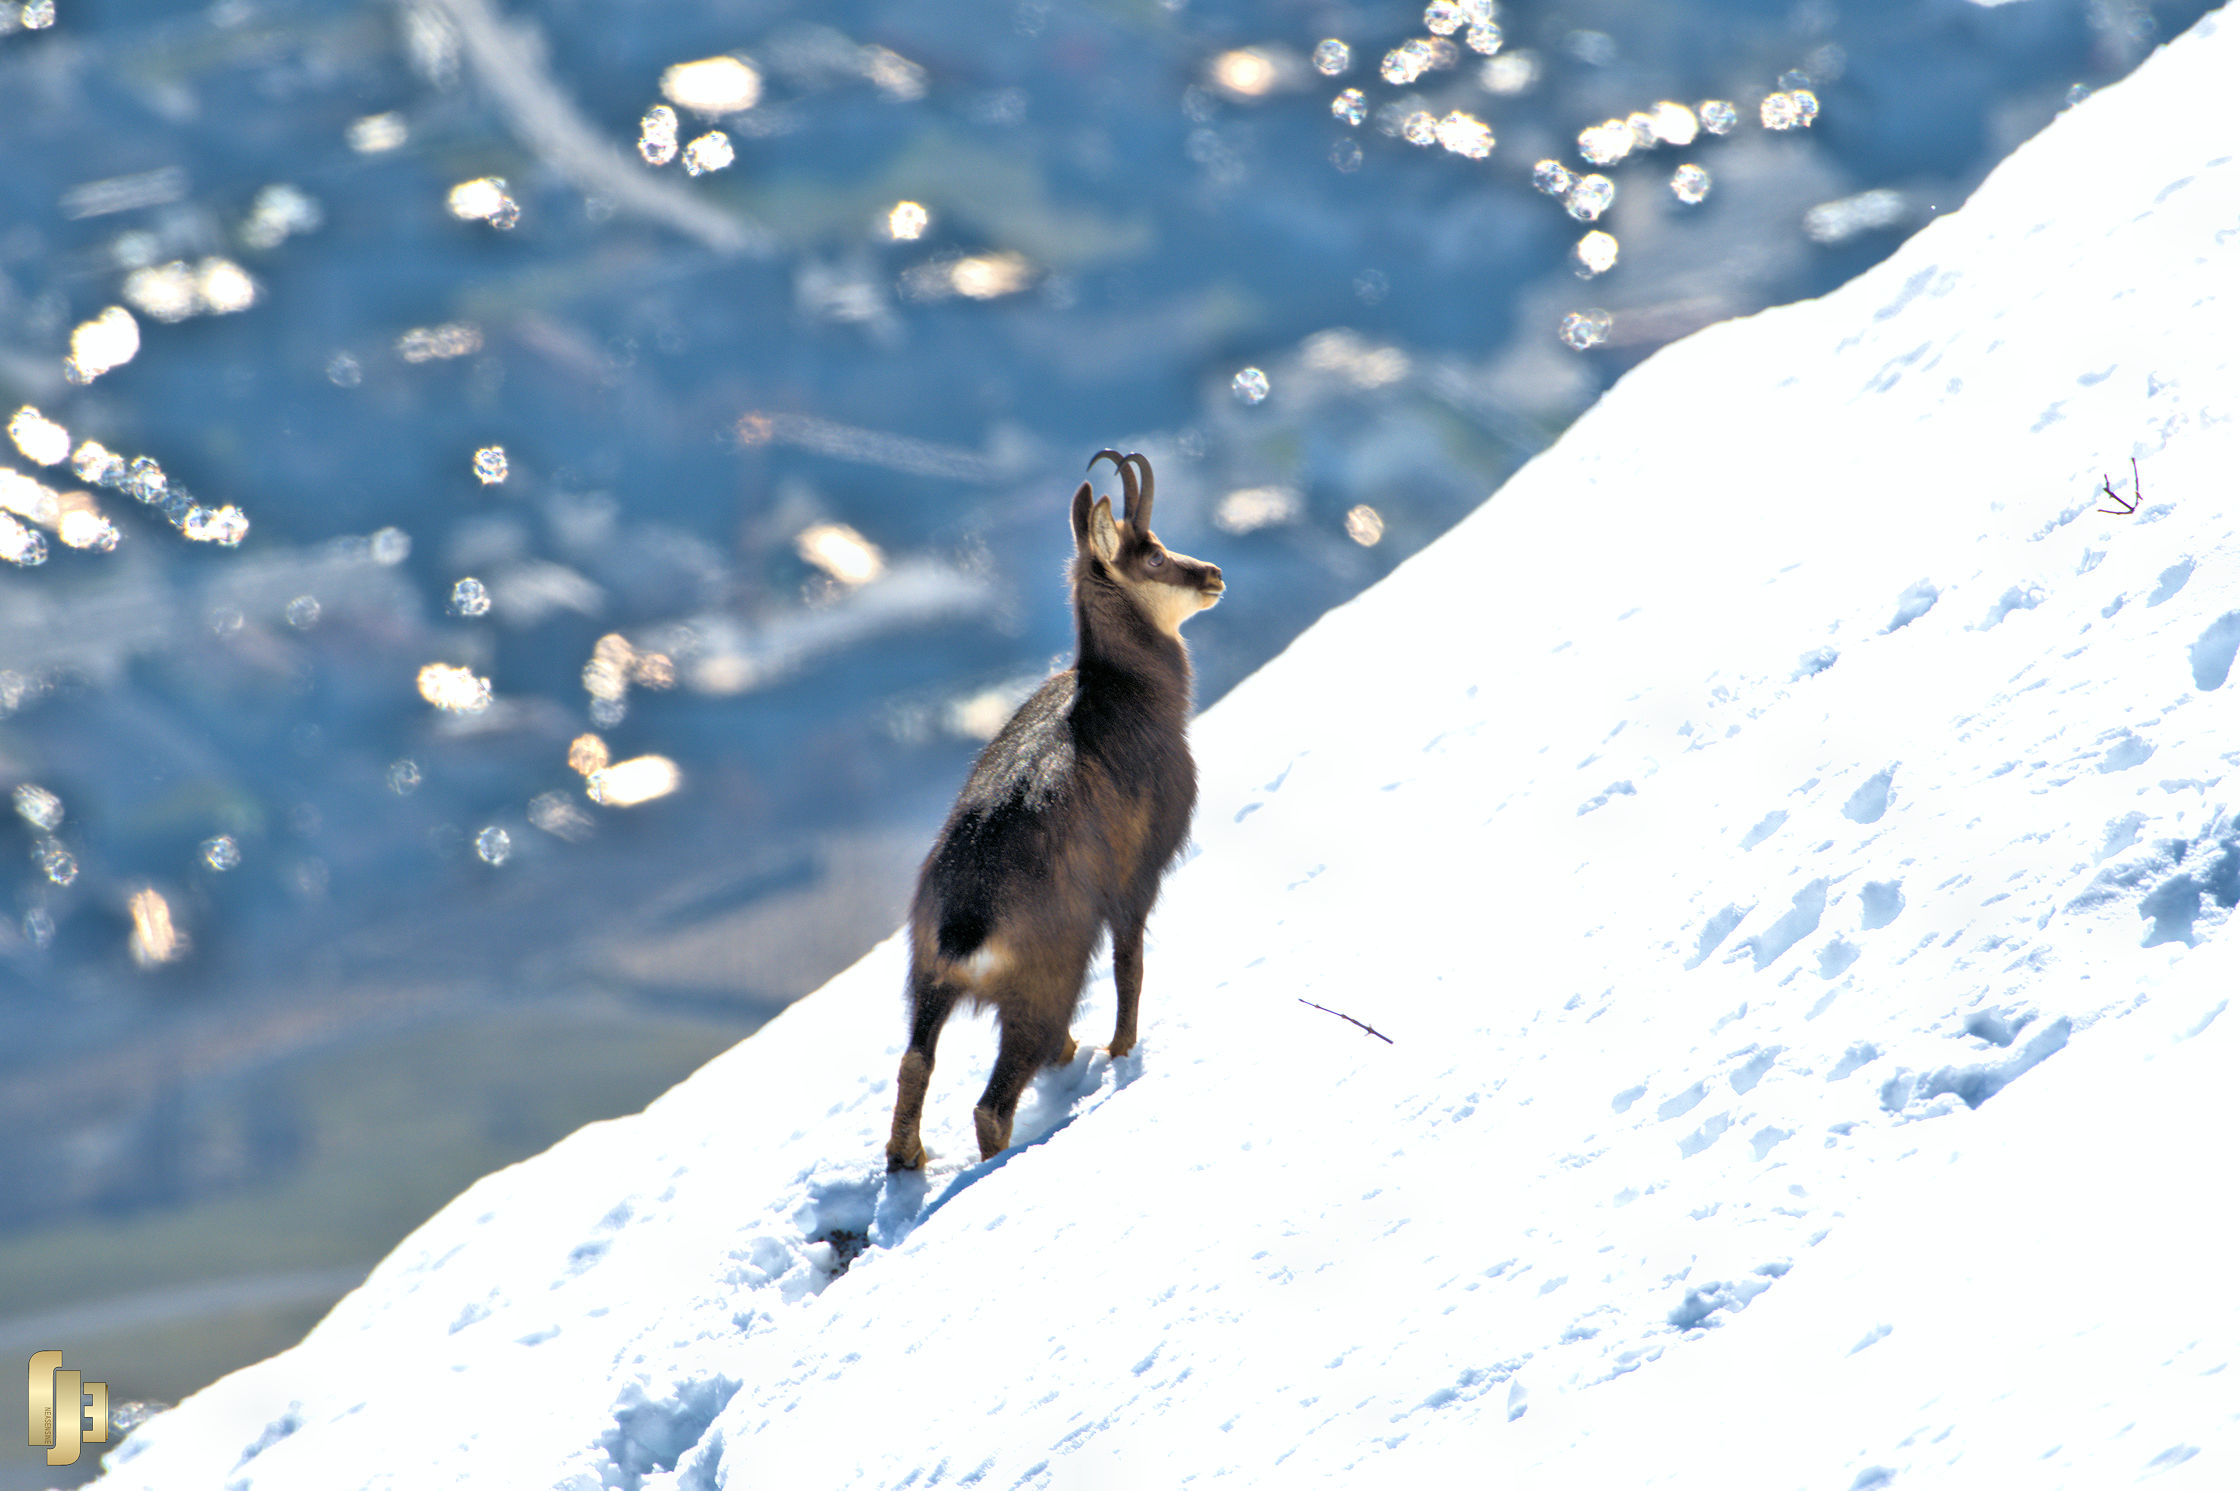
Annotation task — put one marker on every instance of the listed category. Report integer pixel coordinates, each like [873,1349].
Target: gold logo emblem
[61,1417]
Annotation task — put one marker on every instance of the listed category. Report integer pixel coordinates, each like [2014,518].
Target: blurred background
[516,514]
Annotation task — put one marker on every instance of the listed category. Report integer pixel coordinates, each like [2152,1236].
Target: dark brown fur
[1069,819]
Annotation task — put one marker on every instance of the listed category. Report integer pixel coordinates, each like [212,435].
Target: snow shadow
[832,1218]
[651,1434]
[1055,1100]
[2176,884]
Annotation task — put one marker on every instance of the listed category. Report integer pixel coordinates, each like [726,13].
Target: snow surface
[1782,766]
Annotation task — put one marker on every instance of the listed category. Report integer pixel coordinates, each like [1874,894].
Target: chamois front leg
[1127,979]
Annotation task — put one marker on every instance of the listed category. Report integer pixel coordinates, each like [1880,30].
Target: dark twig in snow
[2122,509]
[1380,1035]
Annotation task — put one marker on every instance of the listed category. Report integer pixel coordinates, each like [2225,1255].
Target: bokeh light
[453,689]
[38,437]
[1583,329]
[907,221]
[109,340]
[485,200]
[1589,197]
[713,85]
[657,135]
[709,152]
[470,597]
[627,784]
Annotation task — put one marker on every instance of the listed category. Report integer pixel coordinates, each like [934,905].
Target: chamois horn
[1136,499]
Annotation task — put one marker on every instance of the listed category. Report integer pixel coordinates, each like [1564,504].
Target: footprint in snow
[2212,652]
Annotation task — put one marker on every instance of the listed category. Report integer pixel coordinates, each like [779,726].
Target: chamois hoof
[1119,1049]
[1065,1057]
[914,1158]
[994,1133]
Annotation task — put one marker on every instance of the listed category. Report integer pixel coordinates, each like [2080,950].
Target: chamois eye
[1155,558]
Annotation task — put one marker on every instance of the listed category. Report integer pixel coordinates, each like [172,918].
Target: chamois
[1069,818]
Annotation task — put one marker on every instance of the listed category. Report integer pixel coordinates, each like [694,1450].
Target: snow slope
[1717,823]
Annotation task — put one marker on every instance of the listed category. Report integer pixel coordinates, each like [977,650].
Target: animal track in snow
[1702,1139]
[1913,604]
[588,1253]
[1765,828]
[652,1433]
[1274,785]
[2185,874]
[1705,1300]
[1837,956]
[837,1219]
[2171,581]
[2000,1030]
[2126,753]
[1752,1072]
[2016,598]
[1859,1054]
[1715,931]
[1817,661]
[1872,800]
[1880,901]
[1800,921]
[1974,1083]
[2211,653]
[2122,834]
[1615,789]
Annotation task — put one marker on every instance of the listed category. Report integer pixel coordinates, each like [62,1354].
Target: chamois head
[1167,587]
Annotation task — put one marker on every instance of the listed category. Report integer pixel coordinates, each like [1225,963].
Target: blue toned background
[288,953]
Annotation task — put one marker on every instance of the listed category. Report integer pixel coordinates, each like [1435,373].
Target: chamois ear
[1081,517]
[1104,536]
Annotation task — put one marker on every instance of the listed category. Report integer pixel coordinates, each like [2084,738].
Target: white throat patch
[1168,606]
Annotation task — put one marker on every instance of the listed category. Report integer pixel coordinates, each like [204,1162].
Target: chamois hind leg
[930,1003]
[1027,1044]
[1127,979]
